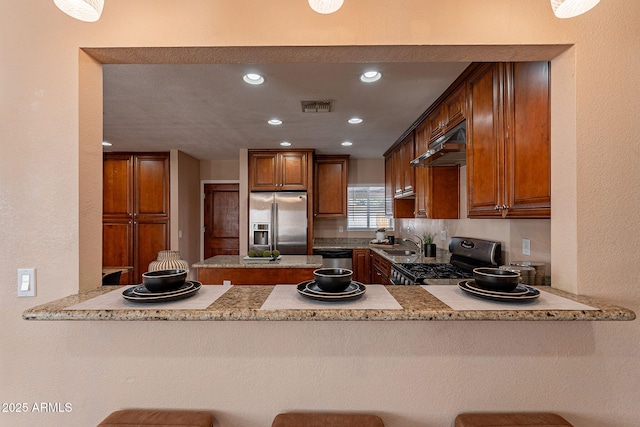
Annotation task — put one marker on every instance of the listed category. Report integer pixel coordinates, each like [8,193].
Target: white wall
[411,373]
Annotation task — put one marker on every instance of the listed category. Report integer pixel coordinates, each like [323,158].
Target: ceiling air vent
[316,106]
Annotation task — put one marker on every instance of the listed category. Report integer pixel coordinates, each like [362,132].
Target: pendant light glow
[84,10]
[325,6]
[572,8]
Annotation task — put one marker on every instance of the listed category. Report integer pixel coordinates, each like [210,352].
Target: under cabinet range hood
[448,150]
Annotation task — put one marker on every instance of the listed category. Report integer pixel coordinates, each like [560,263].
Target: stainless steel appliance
[336,258]
[467,253]
[278,220]
[448,150]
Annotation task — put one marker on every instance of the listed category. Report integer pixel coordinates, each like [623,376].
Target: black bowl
[333,279]
[164,280]
[496,279]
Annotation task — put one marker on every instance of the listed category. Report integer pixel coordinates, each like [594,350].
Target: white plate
[302,290]
[532,293]
[519,290]
[313,287]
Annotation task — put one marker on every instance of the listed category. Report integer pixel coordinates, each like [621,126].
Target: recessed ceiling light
[275,122]
[106,144]
[347,143]
[355,120]
[370,76]
[285,144]
[253,79]
[325,6]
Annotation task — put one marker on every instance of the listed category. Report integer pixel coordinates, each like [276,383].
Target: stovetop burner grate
[419,272]
[466,254]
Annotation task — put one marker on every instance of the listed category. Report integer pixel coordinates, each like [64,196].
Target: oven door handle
[393,282]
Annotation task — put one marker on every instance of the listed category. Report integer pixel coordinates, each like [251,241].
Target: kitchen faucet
[419,244]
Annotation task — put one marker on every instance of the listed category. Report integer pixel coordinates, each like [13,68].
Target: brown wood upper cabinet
[403,172]
[395,207]
[508,143]
[331,174]
[280,170]
[437,189]
[444,117]
[135,218]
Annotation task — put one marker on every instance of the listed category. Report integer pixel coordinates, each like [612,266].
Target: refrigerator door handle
[274,225]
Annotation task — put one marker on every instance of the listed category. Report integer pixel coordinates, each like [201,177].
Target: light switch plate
[26,282]
[443,235]
[526,247]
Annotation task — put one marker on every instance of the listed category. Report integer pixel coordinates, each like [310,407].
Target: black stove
[466,254]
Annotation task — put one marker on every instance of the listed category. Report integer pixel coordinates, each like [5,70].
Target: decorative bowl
[496,279]
[333,279]
[164,280]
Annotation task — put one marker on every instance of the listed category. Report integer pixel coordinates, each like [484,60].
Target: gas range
[466,254]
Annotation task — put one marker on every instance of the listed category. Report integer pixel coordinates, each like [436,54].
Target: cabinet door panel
[117,247]
[151,238]
[408,154]
[389,190]
[117,186]
[484,140]
[398,172]
[361,265]
[528,141]
[456,107]
[152,185]
[294,171]
[330,182]
[263,171]
[117,244]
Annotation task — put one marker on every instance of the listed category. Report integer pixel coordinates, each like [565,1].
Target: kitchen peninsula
[246,302]
[239,270]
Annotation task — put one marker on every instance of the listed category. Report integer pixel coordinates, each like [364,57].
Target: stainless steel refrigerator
[278,220]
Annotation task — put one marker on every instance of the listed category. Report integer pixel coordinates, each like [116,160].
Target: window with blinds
[365,205]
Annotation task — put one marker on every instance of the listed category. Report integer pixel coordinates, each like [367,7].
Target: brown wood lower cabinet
[254,276]
[380,269]
[361,265]
[135,214]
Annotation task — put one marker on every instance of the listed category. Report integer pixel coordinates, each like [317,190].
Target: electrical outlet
[526,247]
[443,235]
[341,229]
[26,282]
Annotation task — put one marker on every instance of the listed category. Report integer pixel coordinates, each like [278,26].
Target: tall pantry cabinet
[135,220]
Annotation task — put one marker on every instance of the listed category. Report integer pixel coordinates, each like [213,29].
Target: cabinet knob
[496,208]
[505,207]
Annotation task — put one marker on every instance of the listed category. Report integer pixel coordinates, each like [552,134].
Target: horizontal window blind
[365,204]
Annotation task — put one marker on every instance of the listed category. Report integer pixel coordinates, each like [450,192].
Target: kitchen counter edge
[242,303]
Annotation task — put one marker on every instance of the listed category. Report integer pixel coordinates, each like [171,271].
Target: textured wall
[412,374]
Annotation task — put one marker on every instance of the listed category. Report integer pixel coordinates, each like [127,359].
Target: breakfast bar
[241,303]
[239,270]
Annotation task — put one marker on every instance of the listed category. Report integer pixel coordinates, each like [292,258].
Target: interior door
[221,220]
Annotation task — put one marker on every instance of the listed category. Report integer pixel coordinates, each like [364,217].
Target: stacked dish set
[498,285]
[332,284]
[161,286]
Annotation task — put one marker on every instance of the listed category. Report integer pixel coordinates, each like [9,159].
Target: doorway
[221,219]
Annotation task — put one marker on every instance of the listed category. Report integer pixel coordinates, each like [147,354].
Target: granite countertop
[244,302]
[236,261]
[340,243]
